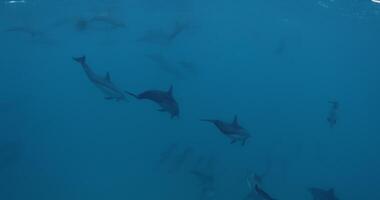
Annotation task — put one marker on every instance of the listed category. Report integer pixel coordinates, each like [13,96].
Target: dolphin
[181,159]
[207,183]
[232,130]
[105,84]
[177,30]
[321,194]
[204,178]
[164,64]
[25,30]
[332,117]
[167,154]
[162,37]
[83,24]
[164,99]
[260,192]
[252,195]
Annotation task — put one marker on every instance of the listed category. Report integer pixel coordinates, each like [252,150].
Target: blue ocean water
[301,77]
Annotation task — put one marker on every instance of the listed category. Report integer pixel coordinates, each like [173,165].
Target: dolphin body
[232,130]
[110,90]
[321,194]
[164,99]
[261,193]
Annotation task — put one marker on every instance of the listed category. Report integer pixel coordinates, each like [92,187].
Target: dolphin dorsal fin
[108,77]
[170,91]
[235,122]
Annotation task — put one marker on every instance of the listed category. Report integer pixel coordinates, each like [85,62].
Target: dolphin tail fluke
[132,94]
[80,60]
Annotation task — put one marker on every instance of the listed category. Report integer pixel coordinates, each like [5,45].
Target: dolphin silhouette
[105,84]
[232,130]
[164,99]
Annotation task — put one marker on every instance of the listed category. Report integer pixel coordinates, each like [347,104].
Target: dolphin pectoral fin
[233,141]
[108,98]
[161,110]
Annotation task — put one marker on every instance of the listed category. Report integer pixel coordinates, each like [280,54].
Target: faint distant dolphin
[332,118]
[167,154]
[164,99]
[164,64]
[207,182]
[232,130]
[82,24]
[262,193]
[252,195]
[180,159]
[321,194]
[105,84]
[25,30]
[178,29]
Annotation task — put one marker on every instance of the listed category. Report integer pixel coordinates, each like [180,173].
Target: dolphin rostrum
[105,84]
[232,130]
[164,99]
[321,194]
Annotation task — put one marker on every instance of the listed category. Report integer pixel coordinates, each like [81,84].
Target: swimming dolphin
[180,159]
[168,153]
[162,37]
[206,181]
[232,130]
[105,83]
[26,30]
[332,118]
[83,24]
[262,193]
[321,194]
[163,63]
[252,195]
[164,99]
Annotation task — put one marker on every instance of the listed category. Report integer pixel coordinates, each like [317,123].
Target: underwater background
[281,67]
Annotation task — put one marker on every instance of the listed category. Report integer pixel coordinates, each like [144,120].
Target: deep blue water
[275,64]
